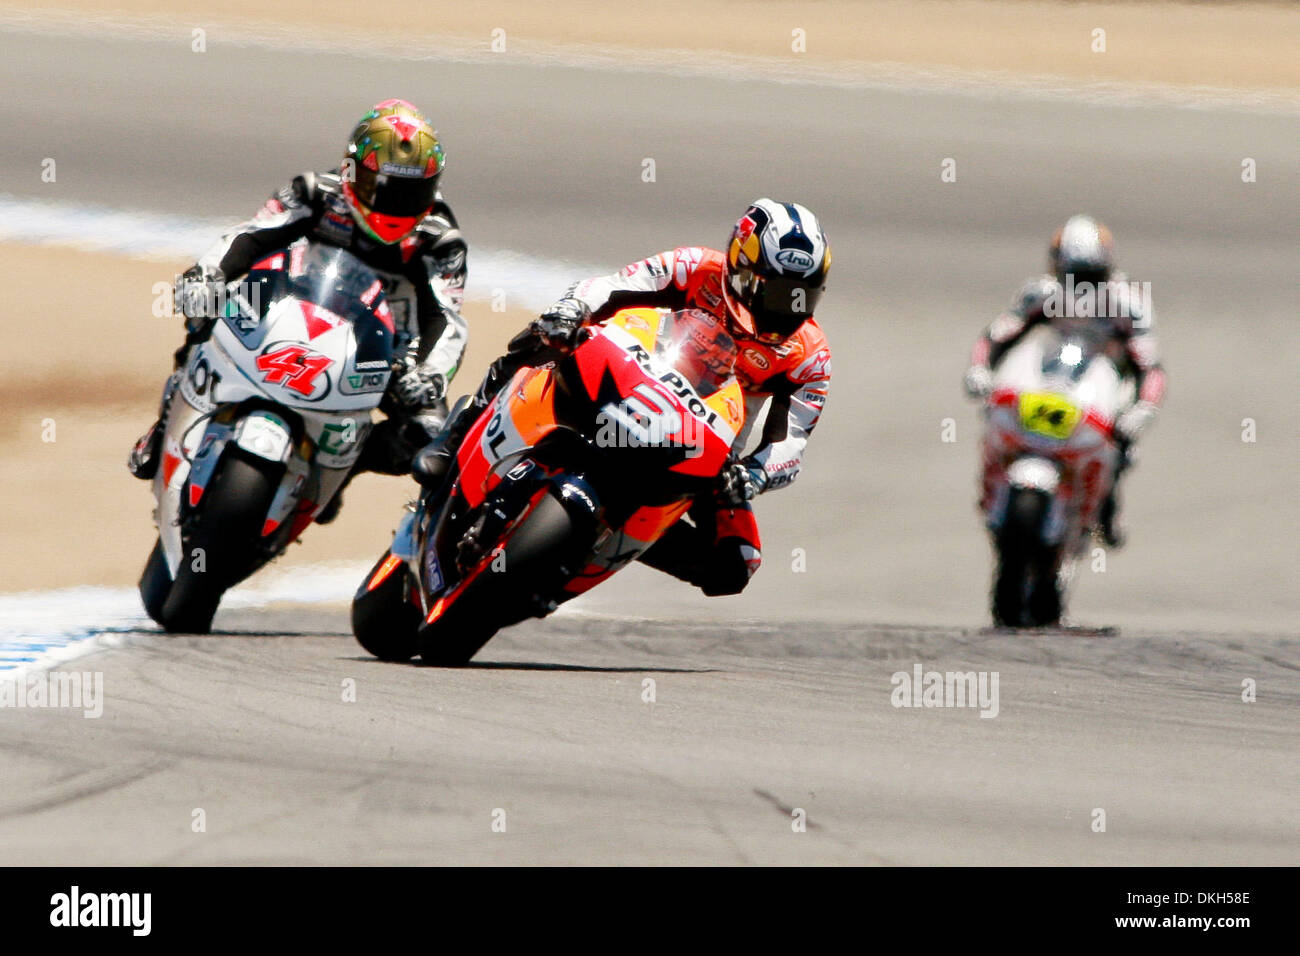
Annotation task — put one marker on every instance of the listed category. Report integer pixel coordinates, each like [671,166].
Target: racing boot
[145,455]
[331,509]
[142,462]
[1112,530]
[1108,520]
[433,462]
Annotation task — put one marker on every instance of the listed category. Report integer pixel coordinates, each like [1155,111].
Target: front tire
[384,621]
[533,557]
[222,548]
[155,582]
[1025,592]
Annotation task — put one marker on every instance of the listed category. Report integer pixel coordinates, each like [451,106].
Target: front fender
[1033,472]
[266,434]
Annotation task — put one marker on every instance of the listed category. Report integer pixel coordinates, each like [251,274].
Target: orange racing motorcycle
[576,468]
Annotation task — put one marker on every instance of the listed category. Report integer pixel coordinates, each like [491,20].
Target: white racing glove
[198,296]
[978,381]
[1131,422]
[420,387]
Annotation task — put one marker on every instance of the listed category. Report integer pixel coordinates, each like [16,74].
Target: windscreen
[337,283]
[1069,355]
[697,347]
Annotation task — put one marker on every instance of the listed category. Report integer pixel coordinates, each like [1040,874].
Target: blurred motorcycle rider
[1084,286]
[383,205]
[763,289]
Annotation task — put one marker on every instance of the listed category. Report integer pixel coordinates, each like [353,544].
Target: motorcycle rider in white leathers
[1081,258]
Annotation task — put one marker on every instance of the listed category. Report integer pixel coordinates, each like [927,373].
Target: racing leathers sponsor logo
[816,368]
[710,292]
[655,266]
[779,474]
[336,227]
[685,262]
[757,359]
[336,223]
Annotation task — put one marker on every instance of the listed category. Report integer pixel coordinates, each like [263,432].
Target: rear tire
[533,557]
[1025,589]
[227,532]
[384,621]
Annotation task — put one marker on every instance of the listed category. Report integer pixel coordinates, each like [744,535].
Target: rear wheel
[1025,588]
[222,547]
[384,621]
[515,586]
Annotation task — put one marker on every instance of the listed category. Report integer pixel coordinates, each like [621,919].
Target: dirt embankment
[76,392]
[1243,45]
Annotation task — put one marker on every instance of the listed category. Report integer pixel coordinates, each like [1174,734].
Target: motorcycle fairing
[305,339]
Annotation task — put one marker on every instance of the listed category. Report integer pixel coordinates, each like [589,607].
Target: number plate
[1048,414]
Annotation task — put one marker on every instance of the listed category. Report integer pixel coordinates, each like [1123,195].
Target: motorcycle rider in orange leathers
[764,290]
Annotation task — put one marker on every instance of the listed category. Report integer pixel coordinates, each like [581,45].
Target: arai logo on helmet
[795,259]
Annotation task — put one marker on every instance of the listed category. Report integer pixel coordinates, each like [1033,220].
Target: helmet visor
[779,304]
[395,195]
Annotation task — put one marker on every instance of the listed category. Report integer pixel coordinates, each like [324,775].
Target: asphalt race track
[780,700]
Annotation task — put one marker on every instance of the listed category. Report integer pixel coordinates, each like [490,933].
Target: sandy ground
[1181,43]
[72,416]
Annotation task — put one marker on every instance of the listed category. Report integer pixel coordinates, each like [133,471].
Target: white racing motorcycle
[267,419]
[1050,459]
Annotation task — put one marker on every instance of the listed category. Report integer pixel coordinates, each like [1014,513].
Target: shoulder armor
[1030,296]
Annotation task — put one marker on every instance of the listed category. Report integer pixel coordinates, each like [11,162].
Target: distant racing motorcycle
[575,469]
[268,418]
[1049,460]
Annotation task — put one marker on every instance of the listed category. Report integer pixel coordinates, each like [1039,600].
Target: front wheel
[222,547]
[529,567]
[1025,589]
[155,582]
[384,621]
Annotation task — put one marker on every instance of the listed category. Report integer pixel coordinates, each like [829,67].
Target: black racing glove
[420,387]
[739,482]
[559,325]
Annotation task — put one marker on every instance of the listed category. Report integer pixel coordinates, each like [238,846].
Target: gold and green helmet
[390,170]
